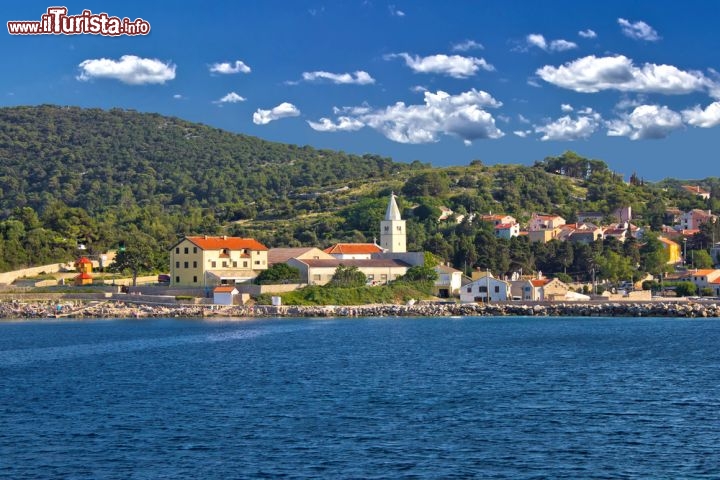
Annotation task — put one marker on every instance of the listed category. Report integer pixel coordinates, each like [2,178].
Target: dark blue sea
[360,398]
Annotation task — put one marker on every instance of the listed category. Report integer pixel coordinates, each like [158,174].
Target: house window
[186,265]
[469,289]
[186,250]
[213,264]
[224,264]
[399,229]
[383,278]
[195,264]
[497,289]
[482,289]
[387,229]
[194,249]
[257,262]
[226,251]
[316,278]
[177,279]
[234,264]
[177,264]
[371,277]
[194,278]
[244,264]
[177,249]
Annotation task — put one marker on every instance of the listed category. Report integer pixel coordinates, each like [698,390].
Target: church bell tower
[392,229]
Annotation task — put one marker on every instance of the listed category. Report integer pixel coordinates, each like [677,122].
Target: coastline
[15,310]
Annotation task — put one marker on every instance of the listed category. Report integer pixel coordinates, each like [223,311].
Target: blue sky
[635,84]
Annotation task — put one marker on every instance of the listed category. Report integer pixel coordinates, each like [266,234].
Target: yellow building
[672,248]
[208,261]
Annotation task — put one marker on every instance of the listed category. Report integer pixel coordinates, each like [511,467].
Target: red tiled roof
[504,226]
[540,282]
[695,189]
[233,243]
[224,289]
[353,248]
[701,272]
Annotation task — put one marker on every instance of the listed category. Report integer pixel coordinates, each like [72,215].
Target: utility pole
[487,282]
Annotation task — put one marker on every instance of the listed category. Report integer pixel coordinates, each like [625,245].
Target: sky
[632,83]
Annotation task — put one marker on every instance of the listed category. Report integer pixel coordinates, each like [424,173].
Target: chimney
[224,237]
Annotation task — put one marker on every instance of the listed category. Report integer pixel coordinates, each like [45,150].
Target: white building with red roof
[539,222]
[203,261]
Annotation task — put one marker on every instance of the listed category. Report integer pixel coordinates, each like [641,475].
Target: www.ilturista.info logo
[57,22]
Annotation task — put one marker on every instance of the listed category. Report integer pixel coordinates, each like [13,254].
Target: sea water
[360,398]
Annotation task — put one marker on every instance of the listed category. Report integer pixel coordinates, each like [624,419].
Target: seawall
[114,309]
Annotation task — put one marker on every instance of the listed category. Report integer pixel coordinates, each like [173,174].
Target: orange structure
[84,266]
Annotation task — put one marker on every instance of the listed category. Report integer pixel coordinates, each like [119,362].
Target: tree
[614,266]
[685,289]
[420,273]
[137,256]
[279,273]
[348,277]
[427,184]
[701,259]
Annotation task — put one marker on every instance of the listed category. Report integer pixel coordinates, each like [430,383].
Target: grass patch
[397,292]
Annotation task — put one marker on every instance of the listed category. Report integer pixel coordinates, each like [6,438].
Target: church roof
[392,212]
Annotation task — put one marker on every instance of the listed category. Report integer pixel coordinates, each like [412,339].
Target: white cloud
[638,30]
[231,97]
[537,40]
[461,115]
[646,122]
[522,118]
[704,118]
[522,133]
[360,78]
[285,109]
[587,33]
[566,108]
[568,129]
[177,96]
[226,68]
[343,124]
[455,66]
[418,89]
[129,69]
[395,12]
[466,46]
[592,74]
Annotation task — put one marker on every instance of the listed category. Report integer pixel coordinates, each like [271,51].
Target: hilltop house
[545,222]
[697,191]
[694,219]
[207,261]
[673,249]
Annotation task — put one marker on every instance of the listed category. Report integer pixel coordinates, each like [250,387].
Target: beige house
[555,290]
[203,261]
[544,236]
[353,251]
[377,271]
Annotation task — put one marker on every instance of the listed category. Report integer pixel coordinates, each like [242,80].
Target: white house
[477,290]
[507,230]
[448,282]
[224,295]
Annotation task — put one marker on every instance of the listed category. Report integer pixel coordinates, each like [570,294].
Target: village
[222,270]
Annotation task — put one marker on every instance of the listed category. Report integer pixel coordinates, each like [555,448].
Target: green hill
[101,178]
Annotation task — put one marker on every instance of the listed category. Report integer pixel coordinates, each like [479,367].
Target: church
[380,263]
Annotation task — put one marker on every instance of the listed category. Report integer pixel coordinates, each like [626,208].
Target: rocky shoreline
[113,309]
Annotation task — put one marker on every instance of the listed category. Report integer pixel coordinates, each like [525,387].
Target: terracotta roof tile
[233,243]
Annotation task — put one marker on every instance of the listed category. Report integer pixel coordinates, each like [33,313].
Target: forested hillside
[105,178]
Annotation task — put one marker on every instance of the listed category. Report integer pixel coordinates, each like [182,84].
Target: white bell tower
[392,229]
